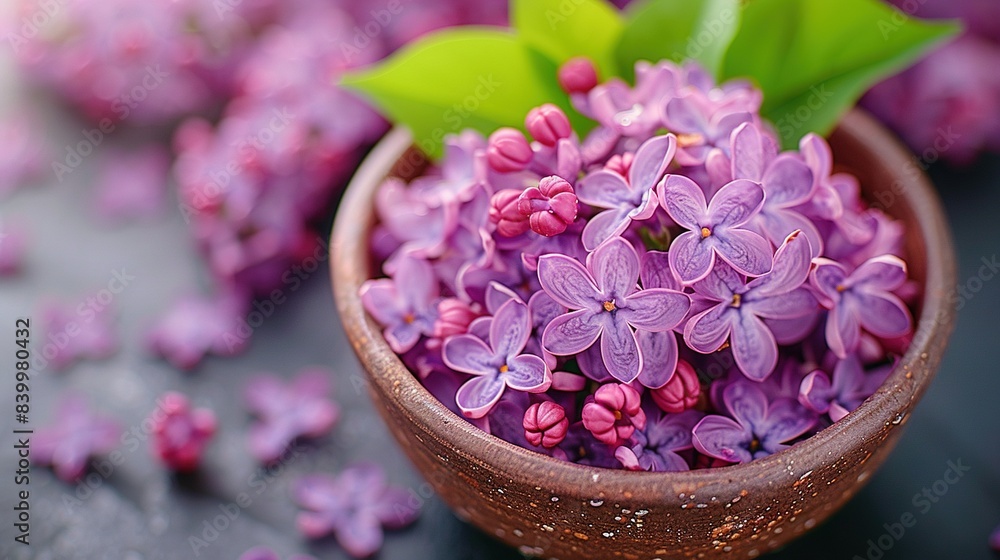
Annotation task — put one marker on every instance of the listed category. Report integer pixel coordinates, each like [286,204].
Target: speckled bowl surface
[561,510]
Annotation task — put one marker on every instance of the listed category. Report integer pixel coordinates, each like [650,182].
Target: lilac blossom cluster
[946,106]
[669,292]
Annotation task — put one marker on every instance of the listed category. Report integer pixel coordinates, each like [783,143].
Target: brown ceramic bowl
[561,510]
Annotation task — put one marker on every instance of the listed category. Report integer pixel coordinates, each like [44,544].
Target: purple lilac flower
[703,124]
[497,363]
[862,299]
[849,387]
[631,112]
[85,331]
[353,506]
[132,184]
[288,411]
[180,433]
[625,199]
[715,229]
[73,438]
[263,553]
[406,308]
[613,413]
[754,428]
[194,327]
[12,250]
[655,447]
[742,308]
[606,304]
[787,182]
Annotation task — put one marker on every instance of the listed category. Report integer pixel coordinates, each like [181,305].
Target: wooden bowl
[555,509]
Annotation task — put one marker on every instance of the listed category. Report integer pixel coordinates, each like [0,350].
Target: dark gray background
[140,512]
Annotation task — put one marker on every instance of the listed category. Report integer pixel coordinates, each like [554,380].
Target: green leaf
[678,30]
[461,78]
[814,58]
[563,29]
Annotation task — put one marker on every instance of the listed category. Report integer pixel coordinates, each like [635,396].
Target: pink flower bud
[545,424]
[180,434]
[454,316]
[681,392]
[578,75]
[613,413]
[508,151]
[548,124]
[503,212]
[550,207]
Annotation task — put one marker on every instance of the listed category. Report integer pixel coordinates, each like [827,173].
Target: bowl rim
[349,268]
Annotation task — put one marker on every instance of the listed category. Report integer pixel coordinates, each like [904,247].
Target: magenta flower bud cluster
[671,291]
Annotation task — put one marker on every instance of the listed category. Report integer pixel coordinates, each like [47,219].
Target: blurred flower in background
[948,105]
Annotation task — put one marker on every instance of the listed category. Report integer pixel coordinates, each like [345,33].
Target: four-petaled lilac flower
[406,304]
[757,428]
[353,506]
[613,413]
[742,308]
[195,326]
[264,553]
[497,364]
[625,199]
[716,228]
[288,411]
[84,331]
[181,433]
[787,182]
[655,447]
[850,386]
[861,299]
[606,304]
[702,124]
[73,438]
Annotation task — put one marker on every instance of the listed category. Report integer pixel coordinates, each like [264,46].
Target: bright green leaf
[461,78]
[814,58]
[563,29]
[678,30]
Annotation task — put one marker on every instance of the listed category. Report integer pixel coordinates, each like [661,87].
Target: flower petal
[655,271]
[748,153]
[604,226]
[746,402]
[883,315]
[722,438]
[655,310]
[843,331]
[798,303]
[510,328]
[883,273]
[744,250]
[477,396]
[527,373]
[684,201]
[604,189]
[691,257]
[720,284]
[790,268]
[786,420]
[826,276]
[777,223]
[707,331]
[419,286]
[620,351]
[735,203]
[754,347]
[659,357]
[567,282]
[469,354]
[615,266]
[572,333]
[787,181]
[815,392]
[360,535]
[651,160]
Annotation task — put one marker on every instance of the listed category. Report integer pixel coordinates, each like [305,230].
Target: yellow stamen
[737,300]
[609,306]
[504,368]
[409,318]
[705,232]
[841,288]
[693,139]
[618,415]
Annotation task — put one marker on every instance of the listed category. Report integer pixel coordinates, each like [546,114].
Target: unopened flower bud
[548,124]
[508,151]
[681,392]
[578,75]
[545,424]
[503,212]
[550,207]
